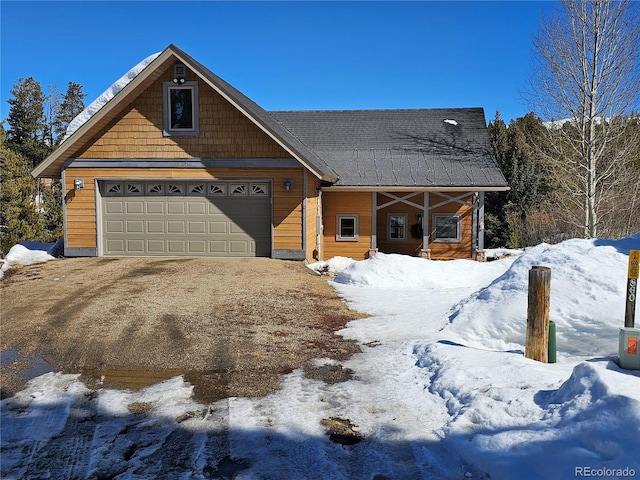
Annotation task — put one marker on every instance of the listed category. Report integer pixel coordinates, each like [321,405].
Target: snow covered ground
[441,389]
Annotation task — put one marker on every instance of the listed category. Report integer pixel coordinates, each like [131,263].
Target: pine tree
[19,217]
[71,106]
[28,126]
[515,147]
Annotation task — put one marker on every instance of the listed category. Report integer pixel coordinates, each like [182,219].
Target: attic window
[181,112]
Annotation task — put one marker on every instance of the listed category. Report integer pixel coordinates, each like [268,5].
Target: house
[179,162]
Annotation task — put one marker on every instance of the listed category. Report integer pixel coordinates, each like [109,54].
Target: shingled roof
[393,148]
[346,148]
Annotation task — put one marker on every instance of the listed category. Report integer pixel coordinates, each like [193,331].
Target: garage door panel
[197,208]
[197,227]
[155,226]
[135,226]
[114,226]
[134,207]
[239,247]
[218,227]
[115,245]
[175,208]
[135,246]
[155,208]
[176,226]
[170,222]
[113,206]
[176,246]
[155,246]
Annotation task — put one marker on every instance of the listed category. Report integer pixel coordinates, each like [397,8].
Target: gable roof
[52,165]
[347,148]
[422,147]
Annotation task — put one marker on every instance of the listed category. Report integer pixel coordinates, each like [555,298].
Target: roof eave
[417,188]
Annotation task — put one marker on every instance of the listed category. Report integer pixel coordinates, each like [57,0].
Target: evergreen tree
[515,147]
[28,126]
[19,216]
[71,106]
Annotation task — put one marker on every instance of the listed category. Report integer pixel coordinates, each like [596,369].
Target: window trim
[167,130]
[356,221]
[458,237]
[404,227]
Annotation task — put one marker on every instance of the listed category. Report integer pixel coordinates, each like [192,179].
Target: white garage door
[191,218]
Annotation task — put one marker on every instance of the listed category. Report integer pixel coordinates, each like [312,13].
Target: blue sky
[288,55]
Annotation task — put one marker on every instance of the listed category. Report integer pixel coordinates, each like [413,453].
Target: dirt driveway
[231,326]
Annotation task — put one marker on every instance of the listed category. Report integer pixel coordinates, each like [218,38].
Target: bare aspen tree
[586,81]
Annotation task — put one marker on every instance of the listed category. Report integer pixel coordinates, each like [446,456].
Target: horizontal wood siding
[462,249]
[409,246]
[81,204]
[225,132]
[335,203]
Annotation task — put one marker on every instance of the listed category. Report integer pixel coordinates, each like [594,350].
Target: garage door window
[196,189]
[134,189]
[216,190]
[259,189]
[114,188]
[155,189]
[237,190]
[175,189]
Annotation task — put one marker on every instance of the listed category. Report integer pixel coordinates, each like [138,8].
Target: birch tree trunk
[586,82]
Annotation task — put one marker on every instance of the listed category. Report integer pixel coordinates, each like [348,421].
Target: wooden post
[537,339]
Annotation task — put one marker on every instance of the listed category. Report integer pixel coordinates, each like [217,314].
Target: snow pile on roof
[588,282]
[451,122]
[107,95]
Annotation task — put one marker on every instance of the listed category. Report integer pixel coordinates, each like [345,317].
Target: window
[216,190]
[259,189]
[134,188]
[114,188]
[181,112]
[175,189]
[196,189]
[347,228]
[155,188]
[237,190]
[447,227]
[397,226]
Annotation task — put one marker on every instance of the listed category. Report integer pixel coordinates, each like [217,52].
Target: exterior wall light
[78,183]
[288,184]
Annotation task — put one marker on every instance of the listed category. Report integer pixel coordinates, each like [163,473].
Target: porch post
[374,226]
[426,251]
[480,254]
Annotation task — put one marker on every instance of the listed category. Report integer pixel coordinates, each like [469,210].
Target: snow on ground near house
[28,253]
[441,389]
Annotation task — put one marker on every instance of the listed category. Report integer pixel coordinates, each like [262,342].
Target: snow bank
[516,418]
[333,265]
[28,253]
[397,272]
[107,95]
[588,281]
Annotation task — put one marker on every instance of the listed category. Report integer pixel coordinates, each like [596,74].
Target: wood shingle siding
[224,132]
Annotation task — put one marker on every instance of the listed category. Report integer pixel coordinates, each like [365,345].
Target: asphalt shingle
[419,147]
